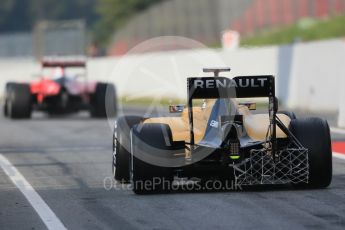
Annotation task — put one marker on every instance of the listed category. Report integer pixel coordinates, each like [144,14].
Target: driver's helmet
[60,72]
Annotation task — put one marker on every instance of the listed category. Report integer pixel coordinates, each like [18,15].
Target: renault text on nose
[228,83]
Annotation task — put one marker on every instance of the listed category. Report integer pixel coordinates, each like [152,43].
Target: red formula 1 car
[61,92]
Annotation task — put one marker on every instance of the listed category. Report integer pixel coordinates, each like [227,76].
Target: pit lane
[67,159]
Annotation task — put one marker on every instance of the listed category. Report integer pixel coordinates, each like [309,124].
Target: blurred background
[302,42]
[113,27]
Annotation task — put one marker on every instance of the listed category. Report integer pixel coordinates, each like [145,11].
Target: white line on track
[337,130]
[339,155]
[46,214]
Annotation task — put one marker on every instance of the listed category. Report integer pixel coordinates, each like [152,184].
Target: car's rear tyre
[5,110]
[121,147]
[314,134]
[18,101]
[147,177]
[103,101]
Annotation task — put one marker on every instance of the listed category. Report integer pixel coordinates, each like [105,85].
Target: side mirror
[176,108]
[250,105]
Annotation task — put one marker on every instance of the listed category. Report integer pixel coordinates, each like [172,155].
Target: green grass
[304,30]
[146,101]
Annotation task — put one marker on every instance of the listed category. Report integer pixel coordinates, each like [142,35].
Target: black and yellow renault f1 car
[223,140]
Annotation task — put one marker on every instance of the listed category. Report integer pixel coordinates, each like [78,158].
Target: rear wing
[62,64]
[237,87]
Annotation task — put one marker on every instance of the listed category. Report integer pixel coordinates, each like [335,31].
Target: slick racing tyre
[121,147]
[18,101]
[314,134]
[5,111]
[146,177]
[103,101]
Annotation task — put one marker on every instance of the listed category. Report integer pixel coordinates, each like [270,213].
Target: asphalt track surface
[66,160]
